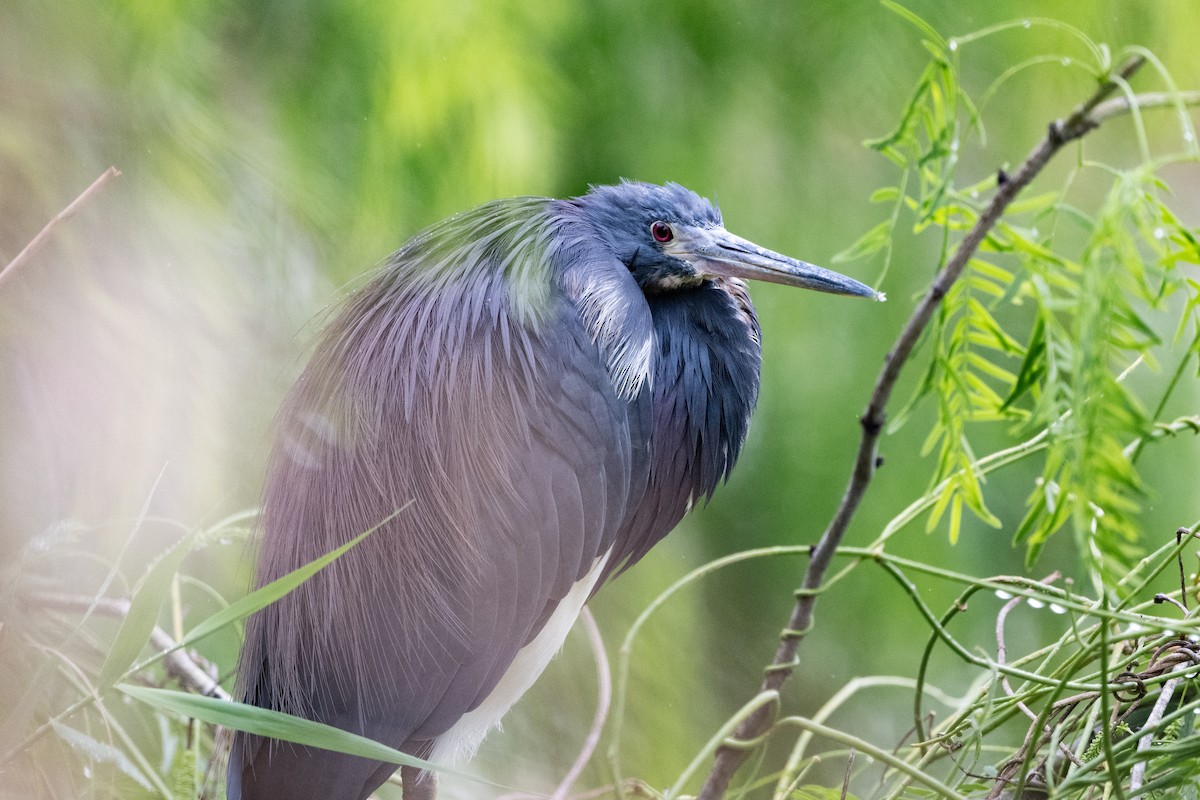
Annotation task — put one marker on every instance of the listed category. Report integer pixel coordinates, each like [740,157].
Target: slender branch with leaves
[1086,325]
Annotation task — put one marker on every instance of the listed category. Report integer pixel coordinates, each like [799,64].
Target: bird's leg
[418,784]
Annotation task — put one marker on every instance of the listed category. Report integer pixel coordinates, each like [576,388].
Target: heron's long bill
[717,252]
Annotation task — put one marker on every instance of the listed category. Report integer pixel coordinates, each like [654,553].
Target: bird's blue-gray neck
[687,359]
[697,345]
[705,381]
[697,404]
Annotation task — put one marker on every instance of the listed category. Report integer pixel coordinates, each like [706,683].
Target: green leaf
[285,727]
[949,493]
[1033,204]
[1029,523]
[144,608]
[954,216]
[989,328]
[923,390]
[869,243]
[992,271]
[263,597]
[902,133]
[955,519]
[885,194]
[1033,367]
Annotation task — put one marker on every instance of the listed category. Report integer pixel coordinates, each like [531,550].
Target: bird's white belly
[461,741]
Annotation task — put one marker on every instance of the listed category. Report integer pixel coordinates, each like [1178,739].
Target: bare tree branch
[1083,120]
[190,670]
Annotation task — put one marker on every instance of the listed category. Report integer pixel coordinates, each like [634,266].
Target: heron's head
[672,238]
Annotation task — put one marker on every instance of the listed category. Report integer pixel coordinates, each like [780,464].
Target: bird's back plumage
[549,422]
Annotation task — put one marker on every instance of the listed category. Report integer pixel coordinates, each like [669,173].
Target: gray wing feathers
[517,450]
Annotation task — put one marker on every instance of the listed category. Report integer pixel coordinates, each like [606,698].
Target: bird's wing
[503,427]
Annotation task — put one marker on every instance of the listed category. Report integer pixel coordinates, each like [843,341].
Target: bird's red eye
[661,232]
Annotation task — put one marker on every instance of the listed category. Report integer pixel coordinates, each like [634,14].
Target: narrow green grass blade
[263,597]
[277,725]
[144,608]
[920,24]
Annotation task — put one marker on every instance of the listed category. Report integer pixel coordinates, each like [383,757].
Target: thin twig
[1017,761]
[603,702]
[1179,536]
[877,754]
[190,670]
[1002,659]
[1138,774]
[849,772]
[1060,133]
[1117,106]
[44,234]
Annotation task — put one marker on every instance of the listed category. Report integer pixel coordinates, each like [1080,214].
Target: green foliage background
[273,151]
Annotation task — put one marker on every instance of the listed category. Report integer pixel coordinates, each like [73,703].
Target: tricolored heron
[553,384]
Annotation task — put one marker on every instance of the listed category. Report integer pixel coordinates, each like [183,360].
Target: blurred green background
[272,151]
